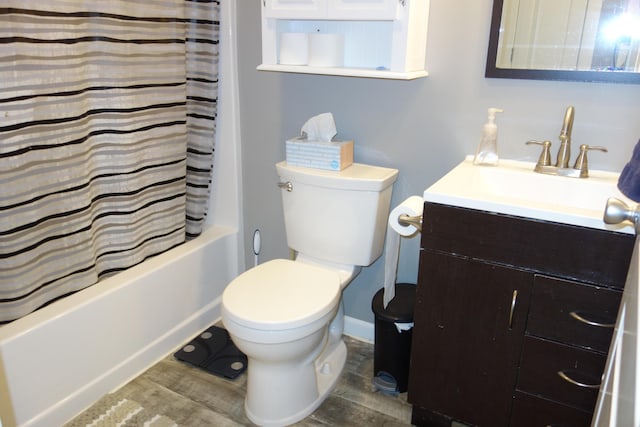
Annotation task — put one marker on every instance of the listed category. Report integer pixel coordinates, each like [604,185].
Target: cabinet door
[467,337]
[363,9]
[295,9]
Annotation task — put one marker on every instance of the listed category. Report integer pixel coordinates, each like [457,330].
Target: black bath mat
[214,352]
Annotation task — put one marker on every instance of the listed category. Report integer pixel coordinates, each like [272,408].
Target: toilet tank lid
[358,176]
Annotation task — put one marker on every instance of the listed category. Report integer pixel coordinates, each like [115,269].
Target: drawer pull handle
[582,319]
[570,380]
[514,298]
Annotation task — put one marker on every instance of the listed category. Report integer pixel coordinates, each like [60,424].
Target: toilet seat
[281,294]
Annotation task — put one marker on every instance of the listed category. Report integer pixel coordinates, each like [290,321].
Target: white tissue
[326,50]
[294,48]
[412,206]
[320,128]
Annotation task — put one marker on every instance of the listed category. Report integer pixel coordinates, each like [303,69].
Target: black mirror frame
[492,71]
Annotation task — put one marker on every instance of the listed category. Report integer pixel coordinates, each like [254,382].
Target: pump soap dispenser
[487,153]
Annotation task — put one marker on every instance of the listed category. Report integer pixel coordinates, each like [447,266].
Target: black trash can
[392,345]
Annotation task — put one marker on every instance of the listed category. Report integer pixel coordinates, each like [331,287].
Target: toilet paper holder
[407,220]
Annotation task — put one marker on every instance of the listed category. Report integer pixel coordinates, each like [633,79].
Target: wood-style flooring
[192,397]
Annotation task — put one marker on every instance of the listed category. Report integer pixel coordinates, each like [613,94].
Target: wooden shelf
[343,71]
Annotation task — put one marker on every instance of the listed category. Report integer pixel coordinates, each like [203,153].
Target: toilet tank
[337,216]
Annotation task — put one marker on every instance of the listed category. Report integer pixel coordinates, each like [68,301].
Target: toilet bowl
[287,316]
[278,314]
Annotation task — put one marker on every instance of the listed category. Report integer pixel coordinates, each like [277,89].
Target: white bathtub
[59,360]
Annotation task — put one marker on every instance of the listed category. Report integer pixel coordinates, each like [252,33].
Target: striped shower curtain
[107,121]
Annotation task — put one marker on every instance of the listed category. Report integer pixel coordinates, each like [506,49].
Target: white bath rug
[124,413]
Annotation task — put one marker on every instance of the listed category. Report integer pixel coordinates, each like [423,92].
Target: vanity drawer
[543,360]
[577,253]
[573,313]
[532,411]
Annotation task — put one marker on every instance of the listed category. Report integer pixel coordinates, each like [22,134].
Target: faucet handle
[581,161]
[545,156]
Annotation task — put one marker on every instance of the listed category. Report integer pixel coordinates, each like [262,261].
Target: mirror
[579,40]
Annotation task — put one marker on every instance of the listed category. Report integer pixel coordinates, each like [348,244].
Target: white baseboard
[359,329]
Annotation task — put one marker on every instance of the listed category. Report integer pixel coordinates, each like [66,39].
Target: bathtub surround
[109,116]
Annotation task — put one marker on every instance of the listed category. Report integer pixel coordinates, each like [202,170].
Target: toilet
[287,315]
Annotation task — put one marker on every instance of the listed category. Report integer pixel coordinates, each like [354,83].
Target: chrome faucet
[580,168]
[564,152]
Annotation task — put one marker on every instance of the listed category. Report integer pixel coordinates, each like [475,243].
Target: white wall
[422,127]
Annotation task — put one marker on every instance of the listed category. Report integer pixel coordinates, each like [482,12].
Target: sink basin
[513,188]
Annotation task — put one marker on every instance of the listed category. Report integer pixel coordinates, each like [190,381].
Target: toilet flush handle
[286,185]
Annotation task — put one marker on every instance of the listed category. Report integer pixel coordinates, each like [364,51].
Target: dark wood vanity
[513,318]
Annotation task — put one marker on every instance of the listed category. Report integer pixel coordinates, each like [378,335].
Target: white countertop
[514,188]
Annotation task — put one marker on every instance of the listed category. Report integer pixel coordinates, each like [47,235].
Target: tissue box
[333,155]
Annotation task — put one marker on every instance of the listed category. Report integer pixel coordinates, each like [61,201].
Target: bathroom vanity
[513,316]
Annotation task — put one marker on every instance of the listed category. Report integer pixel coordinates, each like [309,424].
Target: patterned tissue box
[332,155]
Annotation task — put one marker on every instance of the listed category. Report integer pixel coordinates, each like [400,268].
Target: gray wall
[422,127]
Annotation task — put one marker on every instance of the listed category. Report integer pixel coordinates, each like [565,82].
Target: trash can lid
[400,308]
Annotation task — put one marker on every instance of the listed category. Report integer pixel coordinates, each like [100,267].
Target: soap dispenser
[487,153]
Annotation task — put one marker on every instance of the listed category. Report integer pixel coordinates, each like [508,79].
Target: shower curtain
[107,122]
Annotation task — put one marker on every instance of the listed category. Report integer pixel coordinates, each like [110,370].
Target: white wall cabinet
[299,9]
[382,38]
[332,9]
[363,9]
